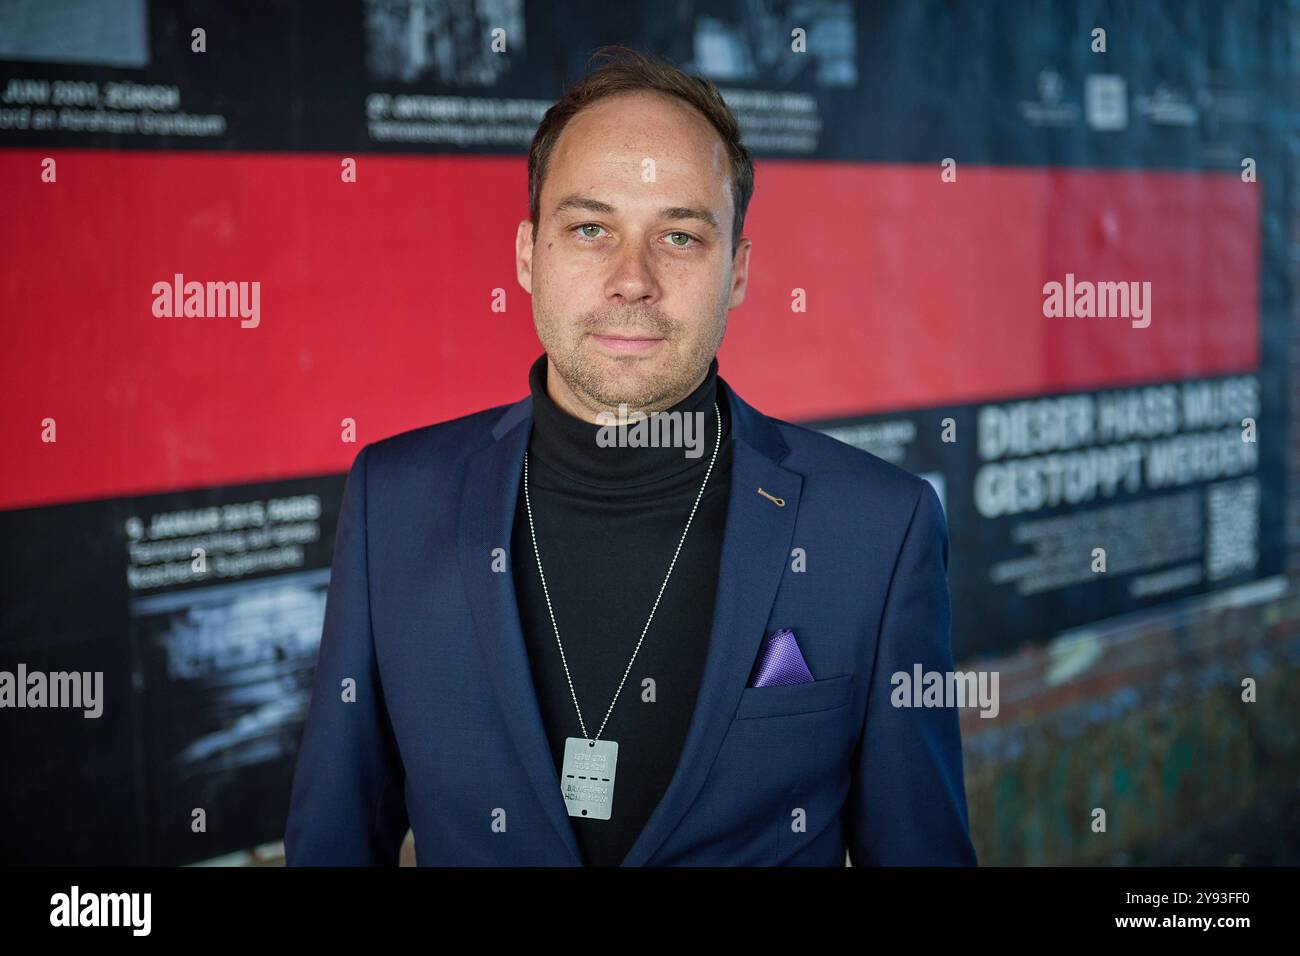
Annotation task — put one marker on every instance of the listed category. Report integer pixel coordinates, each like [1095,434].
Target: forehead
[606,145]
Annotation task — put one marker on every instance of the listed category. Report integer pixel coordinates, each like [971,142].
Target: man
[550,642]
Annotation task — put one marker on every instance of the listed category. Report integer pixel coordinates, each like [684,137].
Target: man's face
[631,271]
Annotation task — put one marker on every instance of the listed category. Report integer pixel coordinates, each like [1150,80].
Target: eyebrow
[668,212]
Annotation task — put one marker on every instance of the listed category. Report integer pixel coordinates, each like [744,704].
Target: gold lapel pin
[779,502]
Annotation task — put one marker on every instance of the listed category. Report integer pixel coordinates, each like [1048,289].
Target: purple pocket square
[780,662]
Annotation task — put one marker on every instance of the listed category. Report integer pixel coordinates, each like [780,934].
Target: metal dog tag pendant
[588,777]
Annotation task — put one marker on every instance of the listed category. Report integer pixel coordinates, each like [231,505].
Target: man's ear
[524,255]
[739,273]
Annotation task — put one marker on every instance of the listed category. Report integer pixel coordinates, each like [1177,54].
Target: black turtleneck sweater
[608,521]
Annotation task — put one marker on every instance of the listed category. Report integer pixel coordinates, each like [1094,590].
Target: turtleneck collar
[569,445]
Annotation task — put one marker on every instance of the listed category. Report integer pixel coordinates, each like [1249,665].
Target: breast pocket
[782,701]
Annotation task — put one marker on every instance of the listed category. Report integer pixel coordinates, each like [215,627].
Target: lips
[634,336]
[625,343]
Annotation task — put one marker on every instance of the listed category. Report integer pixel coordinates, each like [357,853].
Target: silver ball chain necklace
[587,778]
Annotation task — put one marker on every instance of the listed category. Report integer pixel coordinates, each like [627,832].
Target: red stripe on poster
[375,300]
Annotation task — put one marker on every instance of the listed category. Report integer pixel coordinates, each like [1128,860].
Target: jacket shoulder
[443,444]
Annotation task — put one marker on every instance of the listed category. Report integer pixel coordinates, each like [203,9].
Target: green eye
[681,245]
[585,226]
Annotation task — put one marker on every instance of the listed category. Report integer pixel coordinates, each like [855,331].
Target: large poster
[1050,278]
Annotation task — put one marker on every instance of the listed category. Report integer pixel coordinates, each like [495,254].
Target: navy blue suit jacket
[445,734]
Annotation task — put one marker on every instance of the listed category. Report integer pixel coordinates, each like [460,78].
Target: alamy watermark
[922,688]
[656,430]
[210,300]
[1099,300]
[76,908]
[37,689]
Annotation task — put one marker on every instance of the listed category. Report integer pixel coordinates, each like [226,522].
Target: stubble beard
[605,383]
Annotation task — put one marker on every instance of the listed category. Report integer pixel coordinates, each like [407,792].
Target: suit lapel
[755,550]
[487,514]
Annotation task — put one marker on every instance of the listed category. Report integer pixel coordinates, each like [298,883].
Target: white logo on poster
[1166,107]
[1049,87]
[1051,108]
[1105,101]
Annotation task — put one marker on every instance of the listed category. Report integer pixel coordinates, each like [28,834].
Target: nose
[632,279]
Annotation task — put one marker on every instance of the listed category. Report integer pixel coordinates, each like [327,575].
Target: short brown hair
[629,71]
